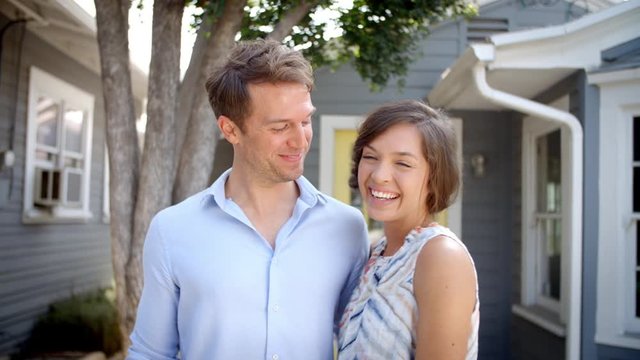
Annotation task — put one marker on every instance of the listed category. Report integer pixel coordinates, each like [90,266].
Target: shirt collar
[308,193]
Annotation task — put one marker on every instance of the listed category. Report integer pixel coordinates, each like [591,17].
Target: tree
[379,38]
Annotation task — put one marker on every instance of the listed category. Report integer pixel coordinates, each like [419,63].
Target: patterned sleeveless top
[380,319]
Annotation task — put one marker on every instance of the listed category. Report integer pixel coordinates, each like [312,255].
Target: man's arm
[155,335]
[361,237]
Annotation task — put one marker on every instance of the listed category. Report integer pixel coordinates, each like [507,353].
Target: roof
[621,57]
[69,28]
[525,63]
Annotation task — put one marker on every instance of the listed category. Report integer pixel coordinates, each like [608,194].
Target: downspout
[485,54]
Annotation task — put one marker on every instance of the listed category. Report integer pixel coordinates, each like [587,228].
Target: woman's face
[392,176]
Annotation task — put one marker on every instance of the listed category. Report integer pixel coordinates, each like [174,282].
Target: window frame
[631,321]
[541,310]
[619,104]
[43,83]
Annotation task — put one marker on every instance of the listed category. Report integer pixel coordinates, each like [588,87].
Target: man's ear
[229,129]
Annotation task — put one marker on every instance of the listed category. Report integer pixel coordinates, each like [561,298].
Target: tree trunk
[189,85]
[196,160]
[122,142]
[156,175]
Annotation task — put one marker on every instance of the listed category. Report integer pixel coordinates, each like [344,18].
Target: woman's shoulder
[444,255]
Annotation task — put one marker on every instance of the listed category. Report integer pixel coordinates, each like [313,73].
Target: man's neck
[260,196]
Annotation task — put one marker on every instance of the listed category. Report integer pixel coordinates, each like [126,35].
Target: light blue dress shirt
[215,289]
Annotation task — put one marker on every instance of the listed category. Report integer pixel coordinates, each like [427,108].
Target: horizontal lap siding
[487,222]
[42,263]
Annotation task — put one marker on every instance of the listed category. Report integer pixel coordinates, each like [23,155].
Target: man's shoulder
[187,208]
[339,208]
[328,201]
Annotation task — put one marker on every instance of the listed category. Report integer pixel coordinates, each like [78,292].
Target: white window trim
[42,82]
[549,315]
[329,124]
[619,103]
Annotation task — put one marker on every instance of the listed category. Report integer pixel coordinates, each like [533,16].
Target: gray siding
[530,342]
[343,92]
[615,353]
[491,205]
[43,263]
[587,101]
[487,217]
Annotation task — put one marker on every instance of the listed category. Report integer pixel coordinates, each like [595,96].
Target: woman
[418,295]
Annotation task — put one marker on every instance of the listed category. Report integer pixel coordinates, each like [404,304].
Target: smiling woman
[418,296]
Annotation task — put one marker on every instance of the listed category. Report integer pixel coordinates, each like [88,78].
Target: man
[260,264]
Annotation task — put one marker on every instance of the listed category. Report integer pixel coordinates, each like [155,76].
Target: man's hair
[254,62]
[438,144]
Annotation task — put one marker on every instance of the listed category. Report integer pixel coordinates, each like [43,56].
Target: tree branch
[196,159]
[290,19]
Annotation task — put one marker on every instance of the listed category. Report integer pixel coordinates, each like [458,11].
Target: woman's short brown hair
[253,62]
[438,142]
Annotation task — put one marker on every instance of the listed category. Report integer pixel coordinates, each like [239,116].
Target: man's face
[277,135]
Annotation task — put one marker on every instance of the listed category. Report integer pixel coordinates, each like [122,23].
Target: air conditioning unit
[57,187]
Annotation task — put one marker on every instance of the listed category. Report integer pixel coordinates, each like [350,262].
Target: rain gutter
[485,53]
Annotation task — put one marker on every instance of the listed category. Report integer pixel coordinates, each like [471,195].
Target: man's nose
[298,138]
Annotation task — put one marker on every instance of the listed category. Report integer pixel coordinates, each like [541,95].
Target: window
[548,220]
[544,223]
[632,280]
[59,128]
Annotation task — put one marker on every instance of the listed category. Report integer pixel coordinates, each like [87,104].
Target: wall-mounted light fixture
[477,165]
[7,159]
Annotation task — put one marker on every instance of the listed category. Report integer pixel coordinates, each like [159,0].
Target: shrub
[85,322]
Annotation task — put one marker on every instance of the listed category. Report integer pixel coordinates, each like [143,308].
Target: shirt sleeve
[155,335]
[361,255]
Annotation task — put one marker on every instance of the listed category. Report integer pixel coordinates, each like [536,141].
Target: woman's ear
[229,129]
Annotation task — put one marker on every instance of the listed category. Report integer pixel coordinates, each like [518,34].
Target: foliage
[307,34]
[86,322]
[380,38]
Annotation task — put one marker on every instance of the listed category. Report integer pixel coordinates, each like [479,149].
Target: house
[54,231]
[546,100]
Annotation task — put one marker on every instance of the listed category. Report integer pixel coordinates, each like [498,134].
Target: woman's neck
[396,232]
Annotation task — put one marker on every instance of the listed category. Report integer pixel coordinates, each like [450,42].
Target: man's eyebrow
[275,121]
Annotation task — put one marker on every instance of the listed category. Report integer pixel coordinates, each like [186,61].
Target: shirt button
[275,309]
[275,357]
